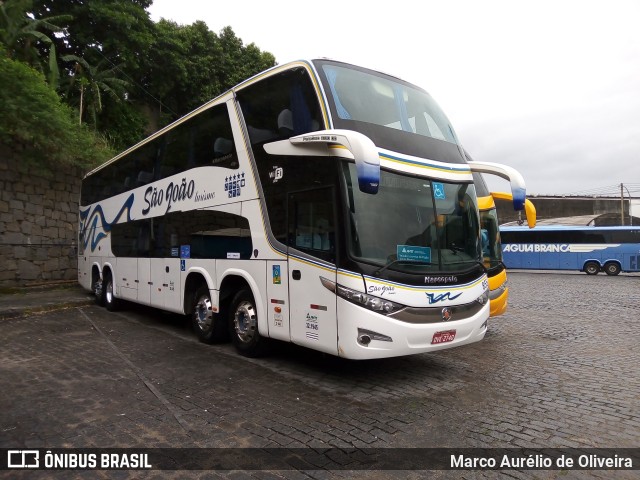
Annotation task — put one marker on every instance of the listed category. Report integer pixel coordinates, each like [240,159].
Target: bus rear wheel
[243,325]
[99,292]
[209,327]
[612,268]
[110,301]
[591,268]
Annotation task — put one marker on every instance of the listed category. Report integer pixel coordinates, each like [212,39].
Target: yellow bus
[491,246]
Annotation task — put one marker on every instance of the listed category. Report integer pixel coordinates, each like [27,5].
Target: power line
[135,83]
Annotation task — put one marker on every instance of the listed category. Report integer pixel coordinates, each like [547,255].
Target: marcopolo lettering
[537,248]
[174,193]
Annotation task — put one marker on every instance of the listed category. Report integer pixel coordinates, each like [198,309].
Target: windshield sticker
[438,191]
[185,251]
[413,254]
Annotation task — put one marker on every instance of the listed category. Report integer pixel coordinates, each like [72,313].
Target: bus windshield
[361,95]
[413,225]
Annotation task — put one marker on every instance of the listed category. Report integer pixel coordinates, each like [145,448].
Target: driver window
[311,223]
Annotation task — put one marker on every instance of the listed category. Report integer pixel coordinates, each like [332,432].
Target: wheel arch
[232,281]
[612,261]
[591,260]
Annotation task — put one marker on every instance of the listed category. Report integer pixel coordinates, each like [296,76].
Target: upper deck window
[365,96]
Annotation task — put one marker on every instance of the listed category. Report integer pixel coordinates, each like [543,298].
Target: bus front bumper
[397,338]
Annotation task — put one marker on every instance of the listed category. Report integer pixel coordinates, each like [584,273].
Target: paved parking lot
[560,369]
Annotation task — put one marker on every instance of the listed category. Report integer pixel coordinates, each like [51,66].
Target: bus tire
[209,327]
[98,292]
[243,325]
[612,268]
[591,268]
[110,300]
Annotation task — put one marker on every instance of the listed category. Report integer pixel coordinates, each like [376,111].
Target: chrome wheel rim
[109,291]
[245,322]
[203,313]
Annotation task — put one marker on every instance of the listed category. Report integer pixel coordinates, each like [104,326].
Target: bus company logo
[381,289]
[441,297]
[276,174]
[174,193]
[537,248]
[233,184]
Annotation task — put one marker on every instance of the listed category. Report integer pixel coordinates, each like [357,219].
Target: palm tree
[92,82]
[21,34]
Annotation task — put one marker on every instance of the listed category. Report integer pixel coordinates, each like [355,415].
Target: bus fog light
[366,336]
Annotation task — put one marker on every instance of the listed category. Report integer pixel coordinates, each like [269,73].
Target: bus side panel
[84,272]
[125,278]
[631,263]
[313,306]
[520,260]
[144,281]
[278,300]
[165,284]
[549,261]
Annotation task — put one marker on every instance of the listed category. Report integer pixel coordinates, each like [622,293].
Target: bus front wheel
[591,268]
[612,268]
[243,325]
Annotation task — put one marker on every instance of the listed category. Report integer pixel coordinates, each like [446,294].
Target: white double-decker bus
[317,203]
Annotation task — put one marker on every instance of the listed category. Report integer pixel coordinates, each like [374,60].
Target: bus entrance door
[312,257]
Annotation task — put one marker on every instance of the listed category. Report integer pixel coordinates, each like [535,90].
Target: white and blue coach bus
[588,249]
[317,203]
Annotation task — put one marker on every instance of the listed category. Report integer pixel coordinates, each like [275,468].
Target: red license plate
[443,337]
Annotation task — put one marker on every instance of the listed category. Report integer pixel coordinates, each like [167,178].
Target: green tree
[113,38]
[38,126]
[23,37]
[189,65]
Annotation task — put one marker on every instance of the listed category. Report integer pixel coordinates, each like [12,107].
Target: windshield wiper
[393,262]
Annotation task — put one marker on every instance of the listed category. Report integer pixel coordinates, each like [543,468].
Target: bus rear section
[588,249]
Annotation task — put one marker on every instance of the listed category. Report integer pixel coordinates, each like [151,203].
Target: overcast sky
[551,88]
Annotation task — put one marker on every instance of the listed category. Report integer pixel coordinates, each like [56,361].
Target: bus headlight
[484,298]
[370,302]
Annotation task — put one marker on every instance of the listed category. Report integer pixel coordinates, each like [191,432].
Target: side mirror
[518,188]
[339,143]
[529,207]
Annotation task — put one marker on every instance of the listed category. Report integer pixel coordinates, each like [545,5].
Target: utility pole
[622,204]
